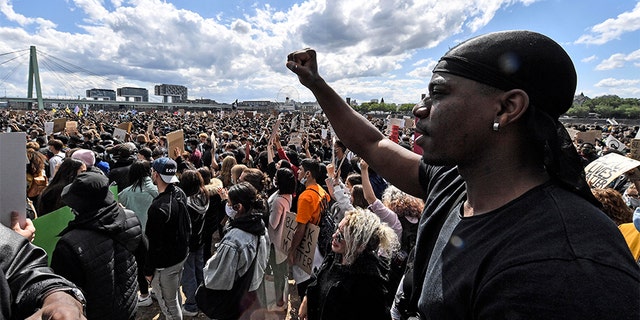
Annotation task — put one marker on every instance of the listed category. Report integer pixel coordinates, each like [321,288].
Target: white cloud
[147,42]
[619,60]
[620,87]
[589,59]
[612,29]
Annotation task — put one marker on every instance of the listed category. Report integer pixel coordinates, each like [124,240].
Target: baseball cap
[166,168]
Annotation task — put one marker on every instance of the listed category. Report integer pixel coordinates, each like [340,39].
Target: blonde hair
[403,204]
[363,230]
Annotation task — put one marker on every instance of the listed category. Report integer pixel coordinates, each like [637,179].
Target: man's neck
[162,186]
[310,182]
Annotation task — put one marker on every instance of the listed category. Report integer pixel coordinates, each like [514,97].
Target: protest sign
[274,129]
[635,149]
[175,139]
[48,127]
[71,127]
[59,124]
[13,189]
[602,171]
[49,227]
[150,127]
[307,248]
[409,122]
[614,143]
[588,136]
[126,126]
[119,134]
[295,138]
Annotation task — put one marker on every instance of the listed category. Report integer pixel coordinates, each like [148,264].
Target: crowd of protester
[237,177]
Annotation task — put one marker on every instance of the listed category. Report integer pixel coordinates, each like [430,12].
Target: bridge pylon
[34,75]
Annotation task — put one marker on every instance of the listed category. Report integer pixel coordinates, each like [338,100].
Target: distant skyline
[228,50]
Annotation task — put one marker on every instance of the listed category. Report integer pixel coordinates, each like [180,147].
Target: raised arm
[395,163]
[367,188]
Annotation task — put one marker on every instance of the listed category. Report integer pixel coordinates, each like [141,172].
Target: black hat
[88,192]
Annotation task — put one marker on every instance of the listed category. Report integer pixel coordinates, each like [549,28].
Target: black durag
[538,65]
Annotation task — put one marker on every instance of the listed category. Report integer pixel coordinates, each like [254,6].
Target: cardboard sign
[119,134]
[572,133]
[588,136]
[13,189]
[409,122]
[307,248]
[126,126]
[71,127]
[150,127]
[602,171]
[635,149]
[175,139]
[59,124]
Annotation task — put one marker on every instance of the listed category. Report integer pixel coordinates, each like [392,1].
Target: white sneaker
[188,313]
[144,301]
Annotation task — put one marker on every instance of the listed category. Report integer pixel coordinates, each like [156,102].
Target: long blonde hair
[363,230]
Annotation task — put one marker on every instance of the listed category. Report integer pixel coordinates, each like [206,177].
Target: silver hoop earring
[496,126]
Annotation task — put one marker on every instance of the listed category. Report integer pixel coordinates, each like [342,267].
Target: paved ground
[153,311]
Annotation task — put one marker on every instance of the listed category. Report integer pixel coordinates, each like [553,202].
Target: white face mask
[631,201]
[231,212]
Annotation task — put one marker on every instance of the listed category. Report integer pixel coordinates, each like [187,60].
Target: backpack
[37,185]
[327,226]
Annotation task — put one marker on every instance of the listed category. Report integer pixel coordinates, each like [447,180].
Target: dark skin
[484,157]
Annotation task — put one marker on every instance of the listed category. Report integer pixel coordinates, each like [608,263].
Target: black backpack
[327,226]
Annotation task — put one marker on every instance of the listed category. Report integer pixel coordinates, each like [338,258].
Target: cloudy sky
[236,49]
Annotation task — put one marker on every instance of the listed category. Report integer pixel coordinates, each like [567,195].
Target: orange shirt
[309,205]
[632,237]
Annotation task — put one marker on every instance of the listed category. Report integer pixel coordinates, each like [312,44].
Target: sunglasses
[339,235]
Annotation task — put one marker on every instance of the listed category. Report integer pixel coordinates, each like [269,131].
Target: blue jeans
[192,277]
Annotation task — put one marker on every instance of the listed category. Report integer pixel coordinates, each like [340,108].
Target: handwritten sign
[602,171]
[307,248]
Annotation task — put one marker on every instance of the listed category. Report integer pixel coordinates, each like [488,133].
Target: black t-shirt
[548,254]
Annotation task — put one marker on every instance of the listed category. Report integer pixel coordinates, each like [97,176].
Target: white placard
[13,189]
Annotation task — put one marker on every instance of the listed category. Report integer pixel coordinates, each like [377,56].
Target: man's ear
[513,105]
